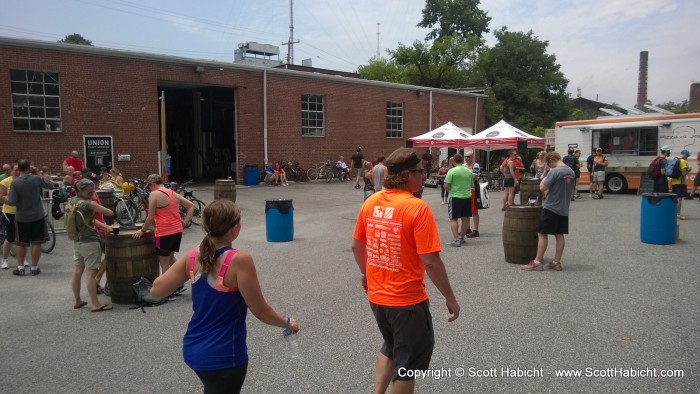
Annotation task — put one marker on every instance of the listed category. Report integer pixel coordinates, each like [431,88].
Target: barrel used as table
[225,188]
[658,218]
[250,175]
[107,200]
[520,233]
[127,260]
[530,189]
[279,220]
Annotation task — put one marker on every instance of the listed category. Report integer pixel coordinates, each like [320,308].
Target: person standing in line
[475,168]
[427,163]
[25,195]
[164,210]
[510,180]
[661,180]
[8,216]
[571,161]
[379,172]
[442,172]
[538,166]
[679,185]
[87,250]
[367,177]
[395,243]
[696,182]
[224,285]
[357,166]
[556,187]
[577,171]
[599,165]
[458,182]
[591,178]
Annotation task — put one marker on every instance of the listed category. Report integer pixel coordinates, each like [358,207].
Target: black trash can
[279,220]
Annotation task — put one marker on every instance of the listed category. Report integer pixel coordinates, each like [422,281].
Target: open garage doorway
[200,123]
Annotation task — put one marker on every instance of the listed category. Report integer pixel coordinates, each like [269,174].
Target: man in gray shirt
[25,195]
[557,187]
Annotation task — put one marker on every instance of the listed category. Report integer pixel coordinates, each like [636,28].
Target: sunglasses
[416,170]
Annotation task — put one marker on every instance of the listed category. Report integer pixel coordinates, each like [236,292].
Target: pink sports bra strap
[193,255]
[227,261]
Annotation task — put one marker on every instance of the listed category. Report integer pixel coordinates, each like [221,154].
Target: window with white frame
[394,119]
[312,115]
[36,104]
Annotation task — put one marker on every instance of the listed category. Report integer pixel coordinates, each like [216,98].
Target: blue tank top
[216,335]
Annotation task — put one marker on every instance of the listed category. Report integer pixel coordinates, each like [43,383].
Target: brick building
[219,116]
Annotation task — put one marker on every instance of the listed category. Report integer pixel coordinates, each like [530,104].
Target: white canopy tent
[502,136]
[447,135]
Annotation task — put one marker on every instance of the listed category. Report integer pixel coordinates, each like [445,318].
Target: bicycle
[323,171]
[294,172]
[337,172]
[49,236]
[198,204]
[132,207]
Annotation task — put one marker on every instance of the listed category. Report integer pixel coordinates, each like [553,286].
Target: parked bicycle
[49,236]
[337,172]
[132,207]
[323,171]
[294,172]
[198,204]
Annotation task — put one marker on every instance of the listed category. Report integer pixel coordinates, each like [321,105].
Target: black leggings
[228,380]
[443,193]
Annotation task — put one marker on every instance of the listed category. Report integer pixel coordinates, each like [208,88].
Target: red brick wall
[118,96]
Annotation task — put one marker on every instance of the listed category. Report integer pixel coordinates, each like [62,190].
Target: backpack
[570,161]
[143,297]
[70,222]
[654,169]
[673,168]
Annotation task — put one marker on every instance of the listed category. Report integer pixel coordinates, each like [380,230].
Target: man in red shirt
[395,242]
[73,161]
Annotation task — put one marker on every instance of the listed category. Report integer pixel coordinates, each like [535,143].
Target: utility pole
[378,40]
[291,42]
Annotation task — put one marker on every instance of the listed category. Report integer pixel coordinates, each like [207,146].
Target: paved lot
[618,303]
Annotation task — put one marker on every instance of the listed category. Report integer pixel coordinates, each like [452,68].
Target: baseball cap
[665,148]
[685,152]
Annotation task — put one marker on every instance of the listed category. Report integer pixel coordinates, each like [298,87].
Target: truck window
[628,141]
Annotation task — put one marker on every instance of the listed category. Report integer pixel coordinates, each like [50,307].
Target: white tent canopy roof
[503,136]
[447,135]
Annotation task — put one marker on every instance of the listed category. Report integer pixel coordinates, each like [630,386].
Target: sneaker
[553,266]
[573,198]
[473,234]
[35,272]
[456,243]
[682,217]
[600,196]
[532,266]
[26,263]
[172,297]
[18,271]
[4,265]
[462,241]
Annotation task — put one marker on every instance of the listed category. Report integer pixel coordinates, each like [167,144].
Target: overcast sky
[596,42]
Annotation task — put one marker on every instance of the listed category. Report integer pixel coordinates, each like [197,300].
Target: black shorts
[459,208]
[229,380]
[508,182]
[168,244]
[408,336]
[551,223]
[8,220]
[696,181]
[660,185]
[31,232]
[681,190]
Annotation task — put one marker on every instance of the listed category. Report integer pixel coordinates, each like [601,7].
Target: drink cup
[115,229]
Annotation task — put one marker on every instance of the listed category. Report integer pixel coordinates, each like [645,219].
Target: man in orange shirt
[395,242]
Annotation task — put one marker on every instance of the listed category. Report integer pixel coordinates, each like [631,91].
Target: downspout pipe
[265,116]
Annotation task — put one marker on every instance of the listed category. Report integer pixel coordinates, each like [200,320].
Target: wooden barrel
[520,233]
[530,188]
[127,260]
[225,188]
[108,200]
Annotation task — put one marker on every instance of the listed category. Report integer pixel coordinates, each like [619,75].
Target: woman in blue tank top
[224,285]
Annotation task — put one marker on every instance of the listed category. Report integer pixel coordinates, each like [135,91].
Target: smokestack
[694,102]
[642,88]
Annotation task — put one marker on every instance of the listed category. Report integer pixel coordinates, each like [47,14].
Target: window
[312,115]
[36,104]
[394,119]
[633,141]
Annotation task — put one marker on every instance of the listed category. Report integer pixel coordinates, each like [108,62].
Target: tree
[383,70]
[454,17]
[525,81]
[677,108]
[75,38]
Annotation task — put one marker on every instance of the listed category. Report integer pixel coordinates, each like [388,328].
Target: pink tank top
[167,218]
[219,284]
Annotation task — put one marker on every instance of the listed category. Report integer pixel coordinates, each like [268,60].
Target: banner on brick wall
[98,151]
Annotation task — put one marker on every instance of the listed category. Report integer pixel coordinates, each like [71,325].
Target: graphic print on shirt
[384,240]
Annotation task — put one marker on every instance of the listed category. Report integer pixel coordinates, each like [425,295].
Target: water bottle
[291,339]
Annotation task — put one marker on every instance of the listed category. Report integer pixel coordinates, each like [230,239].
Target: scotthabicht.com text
[505,372]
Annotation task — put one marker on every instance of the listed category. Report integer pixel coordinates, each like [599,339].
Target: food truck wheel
[616,183]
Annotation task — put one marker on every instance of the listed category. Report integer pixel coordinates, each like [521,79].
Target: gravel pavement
[618,307]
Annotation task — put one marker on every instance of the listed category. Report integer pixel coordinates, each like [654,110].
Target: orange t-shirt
[397,228]
[167,218]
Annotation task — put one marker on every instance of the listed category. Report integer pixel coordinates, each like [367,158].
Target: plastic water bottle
[291,339]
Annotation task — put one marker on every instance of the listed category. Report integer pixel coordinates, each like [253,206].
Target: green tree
[677,108]
[454,17]
[525,81]
[75,38]
[383,70]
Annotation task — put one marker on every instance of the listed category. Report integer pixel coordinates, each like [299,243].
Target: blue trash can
[250,175]
[658,219]
[279,220]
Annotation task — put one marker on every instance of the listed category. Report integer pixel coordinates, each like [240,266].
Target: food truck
[630,143]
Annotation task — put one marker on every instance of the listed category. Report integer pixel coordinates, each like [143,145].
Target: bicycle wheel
[329,175]
[124,213]
[312,173]
[302,174]
[50,238]
[183,215]
[198,209]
